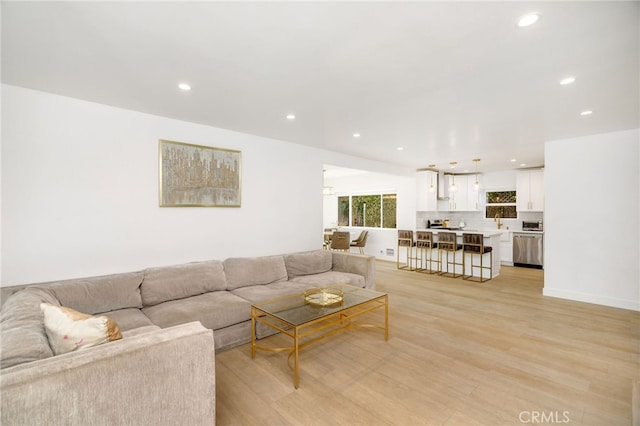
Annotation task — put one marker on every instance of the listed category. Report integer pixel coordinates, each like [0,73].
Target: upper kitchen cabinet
[530,191]
[473,202]
[427,191]
[465,196]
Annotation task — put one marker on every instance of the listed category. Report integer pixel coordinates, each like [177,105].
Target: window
[389,211]
[374,211]
[501,204]
[343,211]
[360,215]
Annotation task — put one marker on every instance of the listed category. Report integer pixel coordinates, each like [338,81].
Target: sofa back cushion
[246,271]
[165,283]
[97,295]
[308,263]
[22,328]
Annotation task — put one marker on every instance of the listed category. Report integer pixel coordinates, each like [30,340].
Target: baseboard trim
[632,305]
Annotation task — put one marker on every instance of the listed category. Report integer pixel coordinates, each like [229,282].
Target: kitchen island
[491,238]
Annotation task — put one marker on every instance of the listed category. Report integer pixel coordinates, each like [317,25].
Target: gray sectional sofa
[173,319]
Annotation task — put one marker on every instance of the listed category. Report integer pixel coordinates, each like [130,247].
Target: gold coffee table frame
[307,324]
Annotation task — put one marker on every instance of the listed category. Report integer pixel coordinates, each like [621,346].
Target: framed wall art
[198,176]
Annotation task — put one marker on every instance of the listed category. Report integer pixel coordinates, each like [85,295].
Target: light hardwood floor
[459,353]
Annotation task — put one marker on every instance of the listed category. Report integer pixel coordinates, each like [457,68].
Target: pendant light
[453,187]
[431,187]
[476,185]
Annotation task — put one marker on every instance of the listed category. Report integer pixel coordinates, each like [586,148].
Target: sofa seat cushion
[140,330]
[262,293]
[308,263]
[165,283]
[98,294]
[327,279]
[129,319]
[248,271]
[214,310]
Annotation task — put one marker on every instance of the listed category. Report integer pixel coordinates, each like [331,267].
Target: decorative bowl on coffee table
[323,296]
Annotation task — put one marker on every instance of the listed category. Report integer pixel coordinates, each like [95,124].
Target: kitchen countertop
[485,232]
[528,232]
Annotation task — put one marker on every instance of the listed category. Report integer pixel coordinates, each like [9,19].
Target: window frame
[380,223]
[489,205]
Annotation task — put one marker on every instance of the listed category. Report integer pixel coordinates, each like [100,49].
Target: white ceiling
[447,81]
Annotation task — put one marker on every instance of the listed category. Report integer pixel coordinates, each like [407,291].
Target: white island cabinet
[491,238]
[506,247]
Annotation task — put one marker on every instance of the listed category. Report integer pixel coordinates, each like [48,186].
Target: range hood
[444,181]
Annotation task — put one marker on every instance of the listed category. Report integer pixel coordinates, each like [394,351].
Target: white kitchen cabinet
[427,191]
[473,202]
[506,247]
[465,197]
[530,191]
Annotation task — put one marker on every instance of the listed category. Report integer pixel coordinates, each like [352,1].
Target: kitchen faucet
[496,219]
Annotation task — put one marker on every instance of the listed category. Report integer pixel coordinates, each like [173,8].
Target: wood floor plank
[458,353]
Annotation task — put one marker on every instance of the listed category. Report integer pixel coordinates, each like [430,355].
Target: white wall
[80,192]
[592,232]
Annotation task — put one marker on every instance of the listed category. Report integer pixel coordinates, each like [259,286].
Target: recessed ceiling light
[587,112]
[400,148]
[523,164]
[528,19]
[184,86]
[291,117]
[513,160]
[356,135]
[567,80]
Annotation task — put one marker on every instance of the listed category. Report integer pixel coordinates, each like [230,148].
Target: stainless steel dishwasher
[527,250]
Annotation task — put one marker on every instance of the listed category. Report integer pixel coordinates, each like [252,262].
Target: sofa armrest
[165,377]
[356,264]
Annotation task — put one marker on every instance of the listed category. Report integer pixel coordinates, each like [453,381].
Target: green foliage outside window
[365,210]
[501,204]
[389,210]
[343,211]
[373,211]
[501,197]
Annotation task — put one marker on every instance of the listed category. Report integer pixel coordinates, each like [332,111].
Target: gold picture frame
[198,176]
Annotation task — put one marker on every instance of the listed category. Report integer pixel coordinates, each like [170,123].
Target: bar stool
[473,245]
[405,239]
[425,247]
[447,244]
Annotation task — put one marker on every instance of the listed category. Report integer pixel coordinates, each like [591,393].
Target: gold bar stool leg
[447,244]
[473,245]
[405,239]
[425,246]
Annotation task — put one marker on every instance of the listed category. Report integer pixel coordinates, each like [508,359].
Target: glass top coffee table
[316,315]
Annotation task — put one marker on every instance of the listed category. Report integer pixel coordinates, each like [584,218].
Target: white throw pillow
[69,330]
